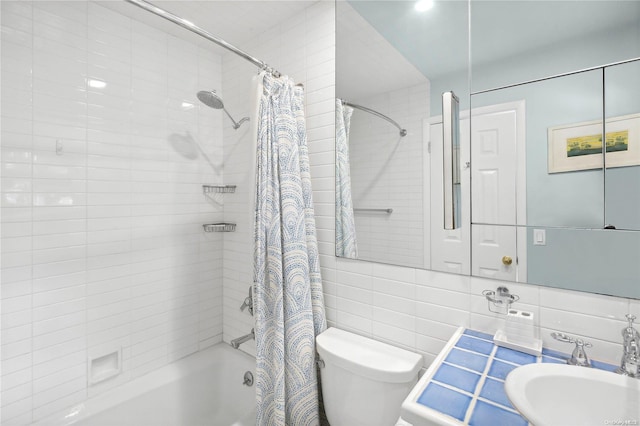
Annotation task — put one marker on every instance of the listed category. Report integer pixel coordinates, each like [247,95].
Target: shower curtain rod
[202,33]
[403,132]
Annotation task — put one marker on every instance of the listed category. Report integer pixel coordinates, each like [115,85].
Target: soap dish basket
[219,227]
[501,299]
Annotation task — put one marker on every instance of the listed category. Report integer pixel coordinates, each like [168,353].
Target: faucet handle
[630,333]
[562,337]
[631,318]
[630,364]
[248,302]
[578,356]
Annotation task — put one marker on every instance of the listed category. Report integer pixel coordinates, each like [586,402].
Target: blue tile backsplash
[475,345]
[469,384]
[457,377]
[493,390]
[487,414]
[500,369]
[515,357]
[445,400]
[478,334]
[468,360]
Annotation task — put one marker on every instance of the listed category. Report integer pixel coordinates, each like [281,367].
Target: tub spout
[240,340]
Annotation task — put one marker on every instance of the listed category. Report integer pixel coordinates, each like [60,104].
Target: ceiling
[366,62]
[436,41]
[433,44]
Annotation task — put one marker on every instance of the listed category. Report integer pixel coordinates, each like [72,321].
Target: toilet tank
[364,381]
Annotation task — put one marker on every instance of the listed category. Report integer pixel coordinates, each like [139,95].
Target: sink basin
[556,394]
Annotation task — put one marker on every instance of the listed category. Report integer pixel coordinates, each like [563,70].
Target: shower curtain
[346,244]
[288,302]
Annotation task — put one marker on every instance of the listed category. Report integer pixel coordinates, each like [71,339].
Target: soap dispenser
[630,363]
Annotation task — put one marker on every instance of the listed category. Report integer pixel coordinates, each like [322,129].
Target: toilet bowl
[364,381]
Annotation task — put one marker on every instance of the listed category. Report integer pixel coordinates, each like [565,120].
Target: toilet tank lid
[366,357]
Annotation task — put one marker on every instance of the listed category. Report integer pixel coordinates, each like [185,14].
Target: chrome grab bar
[388,211]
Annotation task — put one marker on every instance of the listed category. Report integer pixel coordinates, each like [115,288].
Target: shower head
[211,99]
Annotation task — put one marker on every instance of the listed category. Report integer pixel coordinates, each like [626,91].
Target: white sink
[557,394]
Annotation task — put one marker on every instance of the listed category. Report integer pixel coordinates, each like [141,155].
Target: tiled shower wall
[104,152]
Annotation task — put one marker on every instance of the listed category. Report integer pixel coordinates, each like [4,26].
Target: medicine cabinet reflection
[540,193]
[539,163]
[388,181]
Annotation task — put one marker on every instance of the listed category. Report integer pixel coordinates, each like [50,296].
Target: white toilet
[364,381]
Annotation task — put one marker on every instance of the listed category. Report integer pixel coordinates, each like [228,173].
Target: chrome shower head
[211,99]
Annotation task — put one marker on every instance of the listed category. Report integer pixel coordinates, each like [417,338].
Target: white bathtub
[202,389]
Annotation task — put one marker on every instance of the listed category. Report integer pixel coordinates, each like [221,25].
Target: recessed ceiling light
[423,5]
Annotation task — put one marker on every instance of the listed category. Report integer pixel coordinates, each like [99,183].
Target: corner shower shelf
[218,189]
[219,227]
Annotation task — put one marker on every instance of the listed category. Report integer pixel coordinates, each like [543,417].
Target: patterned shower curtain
[346,244]
[288,302]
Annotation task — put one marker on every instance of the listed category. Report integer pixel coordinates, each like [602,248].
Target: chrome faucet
[630,363]
[579,355]
[240,340]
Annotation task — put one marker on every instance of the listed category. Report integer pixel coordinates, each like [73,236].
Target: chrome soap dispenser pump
[630,363]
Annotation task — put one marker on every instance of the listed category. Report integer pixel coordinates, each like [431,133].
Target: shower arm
[236,125]
[242,120]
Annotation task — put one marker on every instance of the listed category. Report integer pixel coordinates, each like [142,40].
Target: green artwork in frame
[578,146]
[592,144]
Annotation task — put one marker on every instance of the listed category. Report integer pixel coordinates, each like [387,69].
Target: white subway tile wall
[386,173]
[104,152]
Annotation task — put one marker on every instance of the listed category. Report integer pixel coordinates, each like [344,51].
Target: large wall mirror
[544,200]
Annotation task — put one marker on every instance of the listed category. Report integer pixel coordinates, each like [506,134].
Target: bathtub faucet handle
[248,379]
